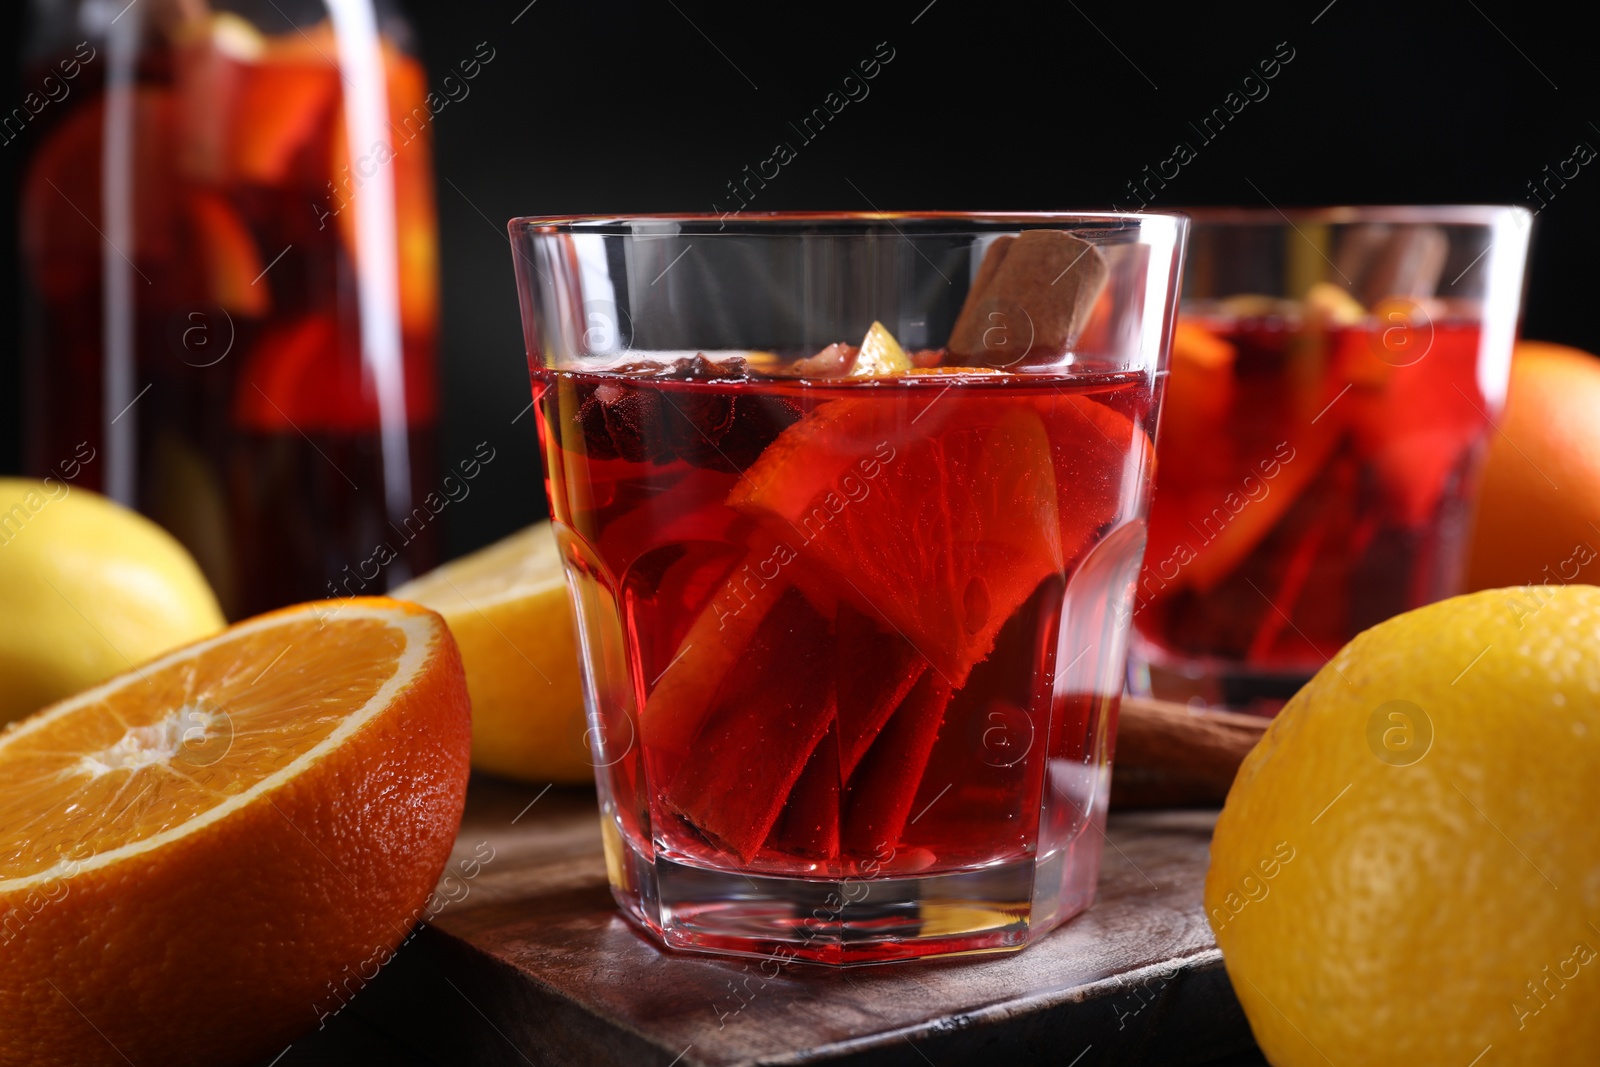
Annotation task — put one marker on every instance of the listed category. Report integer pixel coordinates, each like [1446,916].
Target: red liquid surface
[255,427]
[1315,484]
[828,623]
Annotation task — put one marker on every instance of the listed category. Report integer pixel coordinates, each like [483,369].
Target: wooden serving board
[530,963]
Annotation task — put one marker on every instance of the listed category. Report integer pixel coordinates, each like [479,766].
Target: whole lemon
[1407,870]
[88,589]
[507,606]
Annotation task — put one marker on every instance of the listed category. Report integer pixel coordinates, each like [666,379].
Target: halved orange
[197,856]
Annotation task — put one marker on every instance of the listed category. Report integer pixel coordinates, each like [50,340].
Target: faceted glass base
[996,908]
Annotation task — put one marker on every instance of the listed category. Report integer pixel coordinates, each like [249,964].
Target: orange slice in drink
[1200,533]
[938,515]
[306,374]
[285,100]
[233,263]
[1099,452]
[407,153]
[1199,397]
[225,834]
[1419,425]
[62,220]
[1216,500]
[253,103]
[681,697]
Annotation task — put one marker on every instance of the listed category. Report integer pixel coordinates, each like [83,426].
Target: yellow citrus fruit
[507,606]
[1539,506]
[1407,870]
[201,858]
[87,590]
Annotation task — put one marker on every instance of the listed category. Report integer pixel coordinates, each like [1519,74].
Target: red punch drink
[854,619]
[1331,392]
[1311,502]
[846,602]
[234,309]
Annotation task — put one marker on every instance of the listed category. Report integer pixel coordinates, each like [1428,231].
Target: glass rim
[762,223]
[1421,214]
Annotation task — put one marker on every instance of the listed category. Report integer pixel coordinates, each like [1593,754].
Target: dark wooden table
[529,963]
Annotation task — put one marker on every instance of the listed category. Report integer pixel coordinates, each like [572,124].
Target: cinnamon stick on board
[1171,755]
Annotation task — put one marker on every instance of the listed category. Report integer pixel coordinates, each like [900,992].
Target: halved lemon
[507,605]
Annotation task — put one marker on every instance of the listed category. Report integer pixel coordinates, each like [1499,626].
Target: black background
[655,105]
